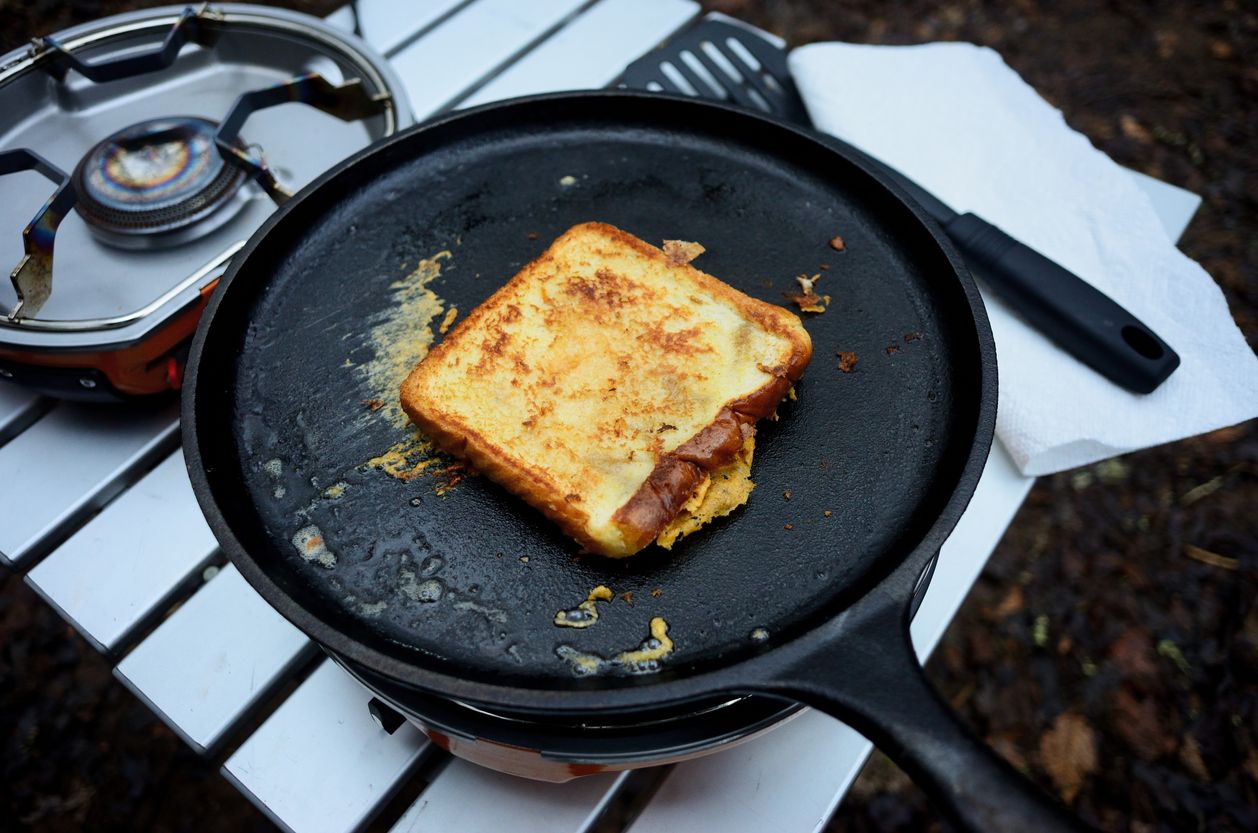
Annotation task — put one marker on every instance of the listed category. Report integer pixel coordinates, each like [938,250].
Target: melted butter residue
[310,545]
[402,334]
[721,493]
[645,659]
[586,613]
[401,337]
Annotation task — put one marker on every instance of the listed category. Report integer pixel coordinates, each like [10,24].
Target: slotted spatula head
[721,61]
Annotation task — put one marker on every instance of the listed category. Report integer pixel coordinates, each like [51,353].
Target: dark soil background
[1110,649]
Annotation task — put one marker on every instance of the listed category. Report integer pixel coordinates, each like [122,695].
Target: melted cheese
[724,491]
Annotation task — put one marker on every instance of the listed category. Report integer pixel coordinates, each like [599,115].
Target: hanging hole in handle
[1143,343]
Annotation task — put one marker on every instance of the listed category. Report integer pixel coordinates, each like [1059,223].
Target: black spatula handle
[1079,319]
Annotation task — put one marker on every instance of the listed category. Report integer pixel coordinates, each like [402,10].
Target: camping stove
[137,154]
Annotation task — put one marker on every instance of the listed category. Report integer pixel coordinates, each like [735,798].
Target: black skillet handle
[864,671]
[1082,321]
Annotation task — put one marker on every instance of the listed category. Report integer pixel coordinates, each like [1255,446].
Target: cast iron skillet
[454,594]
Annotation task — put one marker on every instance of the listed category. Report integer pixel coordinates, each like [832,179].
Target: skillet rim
[631,693]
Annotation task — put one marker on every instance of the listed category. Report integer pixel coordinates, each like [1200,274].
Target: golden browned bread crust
[604,381]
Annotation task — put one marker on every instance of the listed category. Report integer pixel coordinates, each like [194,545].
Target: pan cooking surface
[469,580]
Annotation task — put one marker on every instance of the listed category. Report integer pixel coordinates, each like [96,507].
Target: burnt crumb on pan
[913,336]
[628,597]
[827,513]
[806,299]
[373,404]
[532,235]
[892,348]
[788,527]
[837,243]
[451,476]
[681,252]
[847,360]
[657,592]
[786,494]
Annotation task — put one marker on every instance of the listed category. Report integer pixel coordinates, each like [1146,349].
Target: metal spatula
[722,61]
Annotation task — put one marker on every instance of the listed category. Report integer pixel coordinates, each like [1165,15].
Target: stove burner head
[149,184]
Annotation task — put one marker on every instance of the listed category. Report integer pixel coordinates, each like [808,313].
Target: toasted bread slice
[604,382]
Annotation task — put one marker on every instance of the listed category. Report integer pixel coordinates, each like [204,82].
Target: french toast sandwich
[605,383]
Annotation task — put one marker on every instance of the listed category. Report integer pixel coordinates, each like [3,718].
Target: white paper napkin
[955,118]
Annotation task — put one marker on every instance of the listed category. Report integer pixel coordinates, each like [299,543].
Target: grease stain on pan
[275,469]
[490,613]
[310,545]
[645,659]
[370,609]
[425,592]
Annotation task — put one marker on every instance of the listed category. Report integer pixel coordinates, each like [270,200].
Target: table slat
[389,24]
[472,799]
[104,587]
[215,656]
[319,764]
[592,50]
[470,45]
[69,463]
[18,409]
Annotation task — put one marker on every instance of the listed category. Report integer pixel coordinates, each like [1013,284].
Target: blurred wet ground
[1110,649]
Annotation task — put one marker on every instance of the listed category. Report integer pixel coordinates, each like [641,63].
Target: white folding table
[98,511]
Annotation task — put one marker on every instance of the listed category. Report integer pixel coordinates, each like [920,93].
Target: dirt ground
[1110,649]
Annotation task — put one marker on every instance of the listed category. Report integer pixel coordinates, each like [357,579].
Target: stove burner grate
[154,177]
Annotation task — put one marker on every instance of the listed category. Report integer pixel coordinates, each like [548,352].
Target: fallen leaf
[1133,129]
[1068,752]
[1012,603]
[1132,654]
[1206,489]
[1251,764]
[1137,722]
[1205,556]
[1168,649]
[1226,435]
[1190,757]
